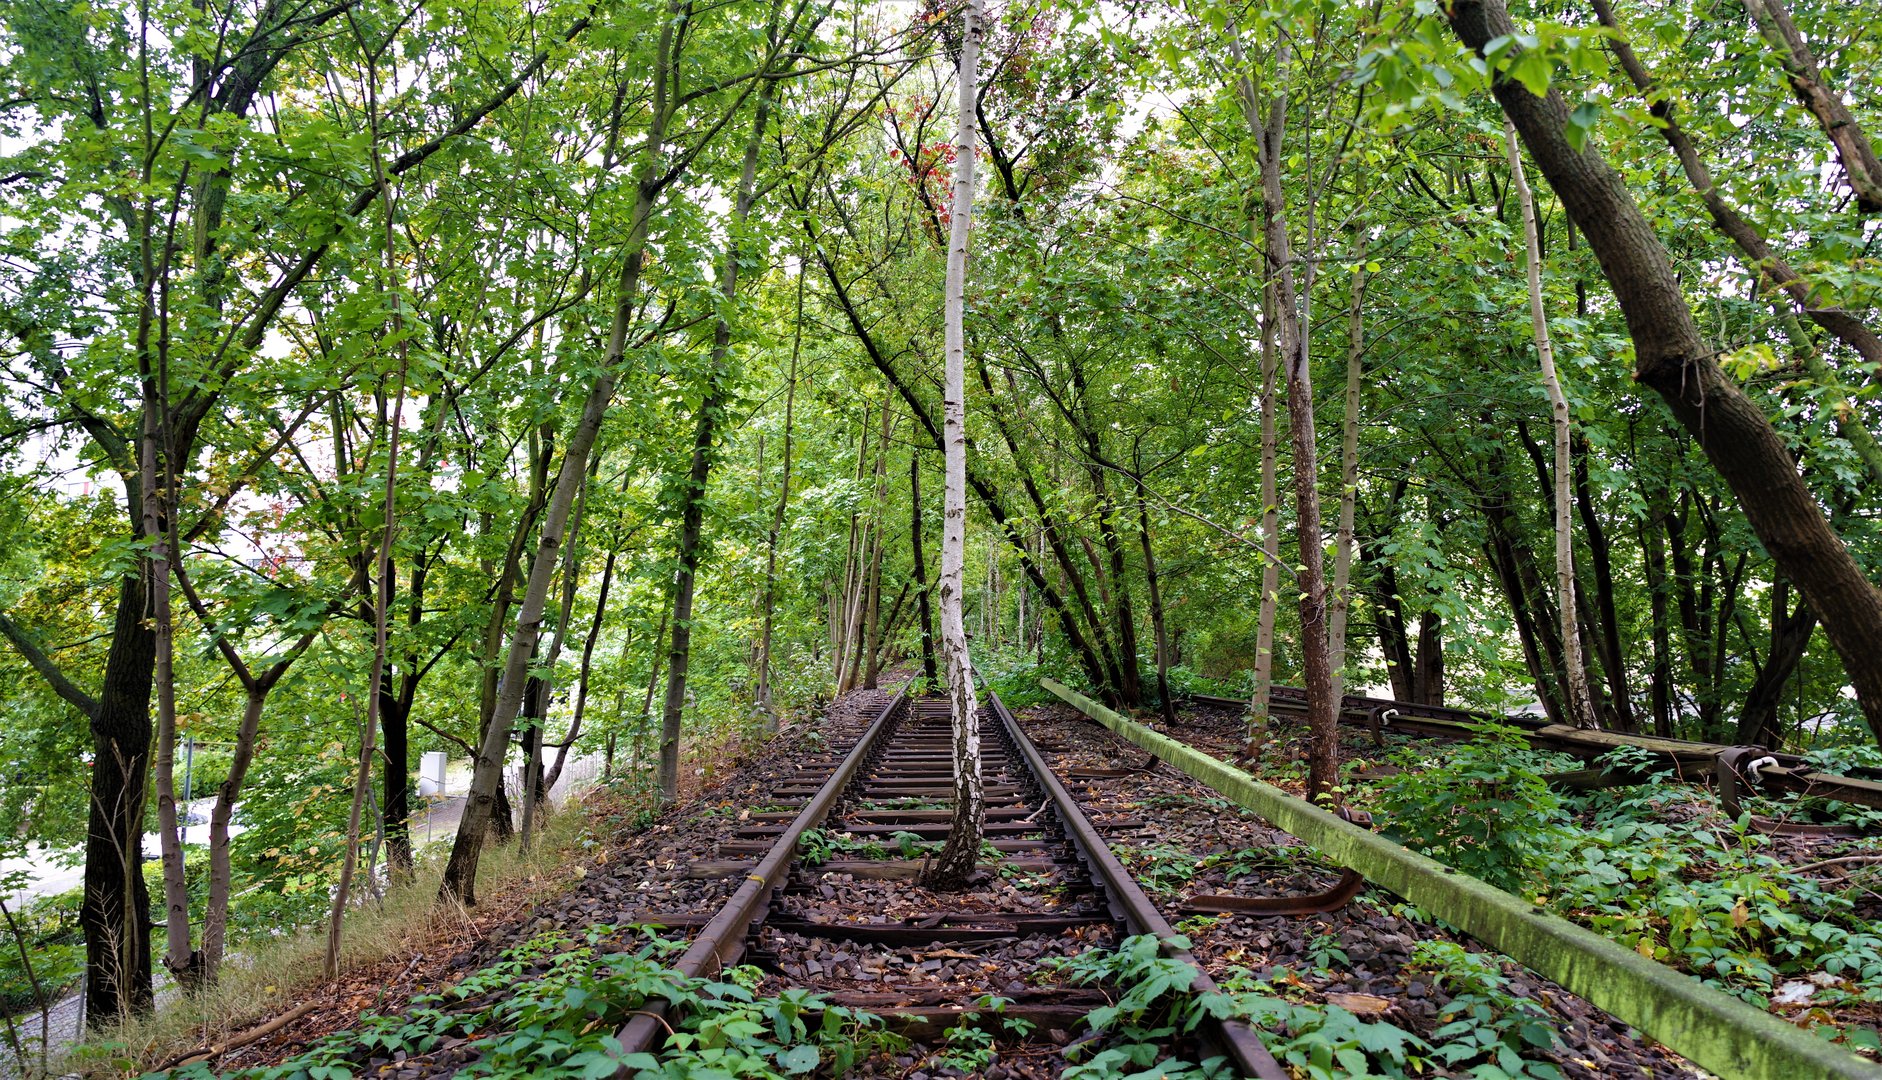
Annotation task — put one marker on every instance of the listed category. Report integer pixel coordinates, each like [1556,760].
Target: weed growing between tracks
[819,846]
[548,1007]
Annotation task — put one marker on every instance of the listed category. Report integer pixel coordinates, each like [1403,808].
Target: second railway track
[827,907]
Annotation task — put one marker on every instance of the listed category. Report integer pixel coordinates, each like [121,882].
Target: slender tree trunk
[653,682]
[1653,559]
[955,865]
[1165,703]
[1428,679]
[705,433]
[1316,664]
[840,636]
[180,956]
[1258,704]
[1790,636]
[1340,601]
[587,665]
[382,574]
[1600,556]
[502,821]
[769,603]
[1388,618]
[460,876]
[871,628]
[1081,647]
[535,706]
[1580,706]
[1530,630]
[919,558]
[1102,663]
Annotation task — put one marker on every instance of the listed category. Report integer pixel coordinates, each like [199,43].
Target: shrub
[1483,807]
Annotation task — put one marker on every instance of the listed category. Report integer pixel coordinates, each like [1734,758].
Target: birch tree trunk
[1575,674]
[1341,601]
[955,864]
[1259,702]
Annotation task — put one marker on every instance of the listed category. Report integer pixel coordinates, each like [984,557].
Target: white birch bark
[956,861]
[1580,709]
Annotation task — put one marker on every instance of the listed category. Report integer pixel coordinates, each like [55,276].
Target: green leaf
[1532,69]
[801,1058]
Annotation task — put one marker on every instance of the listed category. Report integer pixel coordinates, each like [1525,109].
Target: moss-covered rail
[1715,1031]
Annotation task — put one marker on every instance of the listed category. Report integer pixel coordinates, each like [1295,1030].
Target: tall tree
[1580,707]
[1296,363]
[955,864]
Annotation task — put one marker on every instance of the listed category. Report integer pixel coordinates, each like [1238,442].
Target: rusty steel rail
[726,935]
[1734,769]
[722,941]
[1129,903]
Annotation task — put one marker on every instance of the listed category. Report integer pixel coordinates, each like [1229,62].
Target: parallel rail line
[1032,820]
[1735,769]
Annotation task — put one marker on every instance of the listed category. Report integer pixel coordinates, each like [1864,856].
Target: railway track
[1734,770]
[823,905]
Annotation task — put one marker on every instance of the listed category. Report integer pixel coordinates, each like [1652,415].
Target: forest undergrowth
[394,942]
[1792,924]
[387,940]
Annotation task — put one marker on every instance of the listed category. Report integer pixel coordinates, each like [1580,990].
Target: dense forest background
[380,376]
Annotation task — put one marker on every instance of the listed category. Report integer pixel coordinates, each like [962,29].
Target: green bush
[1707,899]
[54,944]
[1482,807]
[548,1007]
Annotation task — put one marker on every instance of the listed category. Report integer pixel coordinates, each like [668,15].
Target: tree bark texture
[919,559]
[1339,600]
[1316,664]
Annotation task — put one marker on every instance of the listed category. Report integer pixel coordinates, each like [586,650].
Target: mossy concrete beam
[1713,1030]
